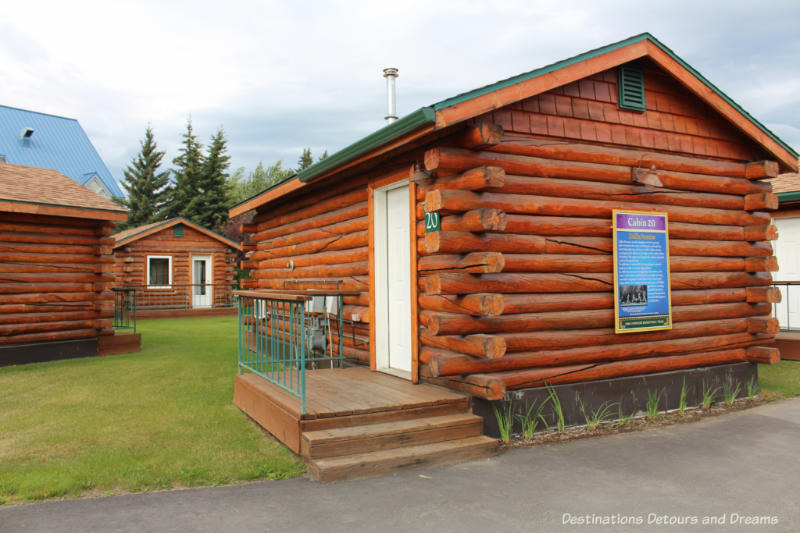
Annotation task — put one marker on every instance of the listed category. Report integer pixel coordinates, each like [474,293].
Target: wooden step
[399,412]
[387,435]
[387,461]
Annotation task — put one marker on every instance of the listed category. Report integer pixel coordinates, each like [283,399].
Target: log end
[761,169]
[433,201]
[763,294]
[763,324]
[765,355]
[432,159]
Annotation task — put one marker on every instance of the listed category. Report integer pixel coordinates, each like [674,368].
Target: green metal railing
[125,308]
[185,296]
[281,335]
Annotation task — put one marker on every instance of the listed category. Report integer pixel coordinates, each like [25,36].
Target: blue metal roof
[57,142]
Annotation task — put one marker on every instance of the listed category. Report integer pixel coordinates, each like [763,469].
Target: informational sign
[433,222]
[641,272]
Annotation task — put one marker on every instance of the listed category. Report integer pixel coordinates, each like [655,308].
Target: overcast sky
[280,76]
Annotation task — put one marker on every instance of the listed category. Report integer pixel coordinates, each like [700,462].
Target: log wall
[517,289]
[56,276]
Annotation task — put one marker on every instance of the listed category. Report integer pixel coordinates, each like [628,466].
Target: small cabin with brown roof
[176,264]
[475,236]
[55,296]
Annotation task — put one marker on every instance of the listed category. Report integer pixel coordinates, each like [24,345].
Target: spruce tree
[210,206]
[187,178]
[144,184]
[305,160]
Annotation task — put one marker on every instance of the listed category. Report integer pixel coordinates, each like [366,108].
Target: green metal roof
[786,197]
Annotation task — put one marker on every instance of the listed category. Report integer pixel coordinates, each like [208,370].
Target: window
[177,231]
[159,271]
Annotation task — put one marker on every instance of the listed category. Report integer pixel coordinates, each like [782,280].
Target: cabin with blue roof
[42,140]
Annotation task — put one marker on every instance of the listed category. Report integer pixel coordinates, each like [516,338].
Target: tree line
[199,186]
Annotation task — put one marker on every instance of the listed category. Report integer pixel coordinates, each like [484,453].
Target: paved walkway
[743,466]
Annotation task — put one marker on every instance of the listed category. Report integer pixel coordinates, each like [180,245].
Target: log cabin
[512,288]
[176,266]
[55,297]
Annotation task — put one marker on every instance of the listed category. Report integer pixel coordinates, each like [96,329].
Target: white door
[392,280]
[787,250]
[201,281]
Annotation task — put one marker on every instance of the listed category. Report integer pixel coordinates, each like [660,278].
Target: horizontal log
[544,340]
[538,303]
[48,336]
[340,228]
[53,277]
[763,324]
[487,304]
[356,313]
[273,218]
[481,136]
[12,331]
[360,299]
[48,238]
[485,346]
[349,212]
[515,283]
[54,297]
[55,249]
[634,158]
[473,263]
[599,263]
[47,316]
[316,271]
[352,255]
[456,159]
[526,204]
[520,379]
[763,294]
[765,355]
[7,225]
[353,341]
[353,283]
[82,268]
[440,323]
[335,242]
[47,308]
[759,201]
[448,364]
[465,242]
[474,179]
[478,220]
[590,190]
[489,390]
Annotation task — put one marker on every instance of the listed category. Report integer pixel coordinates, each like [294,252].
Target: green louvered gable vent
[177,231]
[631,87]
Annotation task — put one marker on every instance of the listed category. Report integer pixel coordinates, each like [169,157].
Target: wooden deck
[788,342]
[360,423]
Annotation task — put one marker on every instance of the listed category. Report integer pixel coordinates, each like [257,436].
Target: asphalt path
[736,472]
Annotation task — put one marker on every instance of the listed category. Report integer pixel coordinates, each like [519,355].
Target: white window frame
[169,271]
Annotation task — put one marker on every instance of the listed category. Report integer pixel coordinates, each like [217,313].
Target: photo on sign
[633,294]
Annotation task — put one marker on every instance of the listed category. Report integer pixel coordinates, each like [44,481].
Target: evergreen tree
[144,184]
[241,187]
[305,160]
[187,177]
[209,207]
[323,156]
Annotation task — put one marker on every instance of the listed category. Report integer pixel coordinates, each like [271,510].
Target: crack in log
[587,278]
[449,269]
[578,245]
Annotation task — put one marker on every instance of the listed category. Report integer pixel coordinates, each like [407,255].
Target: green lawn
[157,419]
[781,380]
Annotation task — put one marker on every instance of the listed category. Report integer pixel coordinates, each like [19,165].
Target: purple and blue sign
[641,272]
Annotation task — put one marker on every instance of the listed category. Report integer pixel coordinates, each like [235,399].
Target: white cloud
[282,75]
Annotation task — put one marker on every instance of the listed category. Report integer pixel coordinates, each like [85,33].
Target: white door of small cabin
[201,281]
[392,279]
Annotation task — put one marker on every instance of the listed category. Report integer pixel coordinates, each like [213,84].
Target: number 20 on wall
[433,222]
